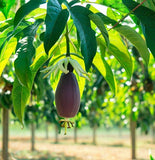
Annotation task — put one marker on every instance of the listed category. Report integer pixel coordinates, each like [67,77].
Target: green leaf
[26,51]
[100,24]
[37,13]
[56,19]
[20,93]
[136,40]
[7,46]
[26,9]
[22,64]
[2,17]
[131,35]
[6,7]
[4,32]
[149,4]
[20,96]
[40,58]
[105,70]
[2,4]
[31,29]
[117,4]
[6,52]
[149,33]
[81,20]
[119,50]
[113,14]
[151,158]
[3,36]
[106,19]
[102,46]
[147,18]
[81,80]
[7,34]
[73,2]
[81,83]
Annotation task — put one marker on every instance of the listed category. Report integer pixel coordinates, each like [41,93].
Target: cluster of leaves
[116,111]
[36,36]
[145,14]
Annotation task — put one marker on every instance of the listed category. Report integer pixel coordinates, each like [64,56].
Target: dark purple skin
[67,96]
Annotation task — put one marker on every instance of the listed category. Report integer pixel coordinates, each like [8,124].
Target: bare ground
[107,148]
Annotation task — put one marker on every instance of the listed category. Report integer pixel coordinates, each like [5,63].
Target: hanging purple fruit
[67,98]
[67,95]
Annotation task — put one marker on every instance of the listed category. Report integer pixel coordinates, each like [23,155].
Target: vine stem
[67,42]
[127,14]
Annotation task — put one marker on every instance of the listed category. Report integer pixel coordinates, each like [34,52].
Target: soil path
[67,150]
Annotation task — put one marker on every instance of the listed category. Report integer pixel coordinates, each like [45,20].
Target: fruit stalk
[67,42]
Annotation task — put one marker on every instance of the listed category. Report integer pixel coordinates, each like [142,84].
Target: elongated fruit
[67,96]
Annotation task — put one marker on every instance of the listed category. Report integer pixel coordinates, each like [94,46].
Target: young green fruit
[67,96]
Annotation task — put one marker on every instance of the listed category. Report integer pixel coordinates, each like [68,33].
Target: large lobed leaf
[87,37]
[56,19]
[147,18]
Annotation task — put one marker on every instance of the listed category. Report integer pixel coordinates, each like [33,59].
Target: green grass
[16,130]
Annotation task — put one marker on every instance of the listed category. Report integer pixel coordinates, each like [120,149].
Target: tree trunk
[56,134]
[153,132]
[133,131]
[75,134]
[120,131]
[5,154]
[46,126]
[32,136]
[94,134]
